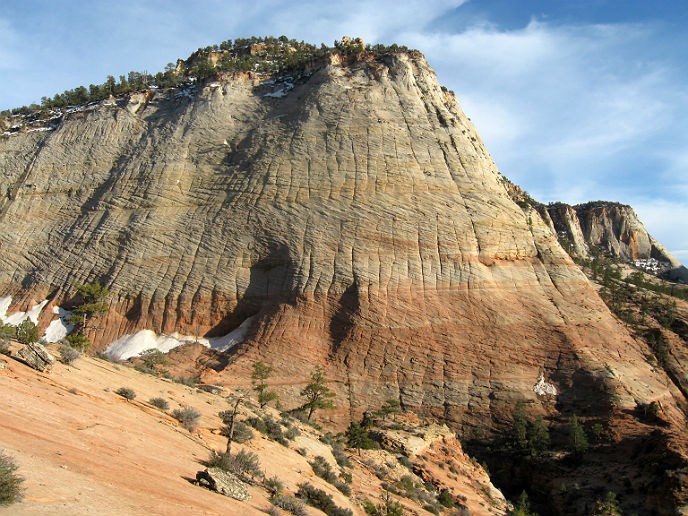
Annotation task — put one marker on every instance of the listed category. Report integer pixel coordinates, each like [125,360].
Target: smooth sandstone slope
[359,218]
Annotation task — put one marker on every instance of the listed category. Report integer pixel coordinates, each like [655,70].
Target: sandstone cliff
[352,212]
[609,228]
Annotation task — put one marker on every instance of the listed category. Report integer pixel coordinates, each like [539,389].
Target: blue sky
[576,100]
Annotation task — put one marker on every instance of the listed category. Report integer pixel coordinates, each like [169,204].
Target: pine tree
[520,426]
[578,441]
[261,372]
[538,436]
[317,394]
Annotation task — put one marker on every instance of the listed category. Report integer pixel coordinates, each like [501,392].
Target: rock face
[611,228]
[353,212]
[36,356]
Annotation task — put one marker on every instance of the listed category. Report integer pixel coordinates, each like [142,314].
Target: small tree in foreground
[229,419]
[317,394]
[357,437]
[27,332]
[261,372]
[10,483]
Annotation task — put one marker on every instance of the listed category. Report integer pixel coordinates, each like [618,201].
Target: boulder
[224,483]
[36,356]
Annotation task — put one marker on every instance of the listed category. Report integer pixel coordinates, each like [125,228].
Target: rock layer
[357,217]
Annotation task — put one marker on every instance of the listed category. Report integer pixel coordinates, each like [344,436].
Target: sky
[576,100]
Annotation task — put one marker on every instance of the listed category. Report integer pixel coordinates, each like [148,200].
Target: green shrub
[27,332]
[126,392]
[68,355]
[323,469]
[272,429]
[289,504]
[274,485]
[407,463]
[242,432]
[78,341]
[244,464]
[321,500]
[189,382]
[340,456]
[189,417]
[160,403]
[10,483]
[445,498]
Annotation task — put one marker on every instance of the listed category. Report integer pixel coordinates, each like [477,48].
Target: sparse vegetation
[268,426]
[229,418]
[68,355]
[10,483]
[188,417]
[160,403]
[269,54]
[126,393]
[323,469]
[387,507]
[7,332]
[78,341]
[152,362]
[321,500]
[289,504]
[274,485]
[244,464]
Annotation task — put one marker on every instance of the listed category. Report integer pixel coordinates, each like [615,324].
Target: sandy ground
[85,450]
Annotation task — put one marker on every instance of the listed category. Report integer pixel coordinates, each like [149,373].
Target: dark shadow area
[269,284]
[343,319]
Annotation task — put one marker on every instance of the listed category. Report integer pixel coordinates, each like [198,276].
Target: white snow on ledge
[129,346]
[59,328]
[16,318]
[542,388]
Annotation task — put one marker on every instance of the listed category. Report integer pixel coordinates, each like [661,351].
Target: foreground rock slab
[36,356]
[224,483]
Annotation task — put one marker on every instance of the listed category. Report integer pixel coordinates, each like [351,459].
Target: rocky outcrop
[609,228]
[36,356]
[223,482]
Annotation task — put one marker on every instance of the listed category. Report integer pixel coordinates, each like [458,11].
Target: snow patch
[16,318]
[59,328]
[5,303]
[543,388]
[129,346]
[281,92]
